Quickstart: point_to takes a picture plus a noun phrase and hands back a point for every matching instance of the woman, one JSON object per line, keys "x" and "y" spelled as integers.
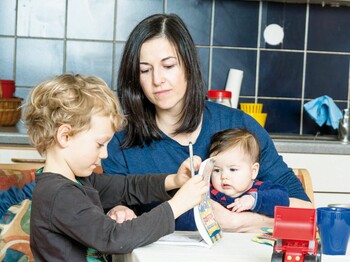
{"x": 161, "y": 89}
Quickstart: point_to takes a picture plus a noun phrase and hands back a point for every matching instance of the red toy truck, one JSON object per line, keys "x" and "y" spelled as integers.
{"x": 295, "y": 234}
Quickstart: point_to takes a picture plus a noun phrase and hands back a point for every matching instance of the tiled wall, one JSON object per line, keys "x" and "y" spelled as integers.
{"x": 40, "y": 38}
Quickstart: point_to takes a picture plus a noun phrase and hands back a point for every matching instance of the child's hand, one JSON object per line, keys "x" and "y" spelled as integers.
{"x": 243, "y": 203}
{"x": 121, "y": 214}
{"x": 189, "y": 195}
{"x": 184, "y": 171}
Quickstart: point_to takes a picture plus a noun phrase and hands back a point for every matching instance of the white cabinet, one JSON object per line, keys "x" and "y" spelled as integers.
{"x": 330, "y": 175}
{"x": 22, "y": 153}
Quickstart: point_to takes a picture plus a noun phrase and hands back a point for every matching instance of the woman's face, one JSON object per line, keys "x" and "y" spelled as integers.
{"x": 162, "y": 78}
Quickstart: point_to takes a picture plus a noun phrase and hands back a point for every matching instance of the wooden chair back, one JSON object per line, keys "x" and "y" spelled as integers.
{"x": 305, "y": 179}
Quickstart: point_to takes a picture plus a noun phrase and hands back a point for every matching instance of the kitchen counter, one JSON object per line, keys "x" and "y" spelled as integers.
{"x": 309, "y": 144}
{"x": 17, "y": 135}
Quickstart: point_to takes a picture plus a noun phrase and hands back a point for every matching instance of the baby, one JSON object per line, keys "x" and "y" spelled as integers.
{"x": 234, "y": 184}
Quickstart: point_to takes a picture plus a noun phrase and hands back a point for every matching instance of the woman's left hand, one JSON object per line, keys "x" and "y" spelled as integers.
{"x": 184, "y": 171}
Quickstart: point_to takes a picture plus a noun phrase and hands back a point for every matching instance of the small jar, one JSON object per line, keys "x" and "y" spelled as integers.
{"x": 220, "y": 96}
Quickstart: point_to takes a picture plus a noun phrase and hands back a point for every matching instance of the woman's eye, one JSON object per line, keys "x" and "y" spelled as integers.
{"x": 169, "y": 66}
{"x": 99, "y": 145}
{"x": 233, "y": 169}
{"x": 144, "y": 71}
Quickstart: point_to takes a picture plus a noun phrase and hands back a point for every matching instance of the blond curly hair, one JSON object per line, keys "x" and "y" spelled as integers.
{"x": 68, "y": 99}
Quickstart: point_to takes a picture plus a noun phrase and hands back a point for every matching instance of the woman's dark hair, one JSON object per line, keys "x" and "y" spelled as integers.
{"x": 140, "y": 112}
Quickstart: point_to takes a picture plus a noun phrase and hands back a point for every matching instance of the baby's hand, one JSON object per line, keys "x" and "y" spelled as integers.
{"x": 243, "y": 203}
{"x": 121, "y": 214}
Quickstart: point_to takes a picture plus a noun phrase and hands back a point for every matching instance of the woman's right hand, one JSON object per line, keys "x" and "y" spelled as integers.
{"x": 240, "y": 222}
{"x": 189, "y": 195}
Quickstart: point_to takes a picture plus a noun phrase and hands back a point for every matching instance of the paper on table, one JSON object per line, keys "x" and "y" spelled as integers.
{"x": 233, "y": 84}
{"x": 183, "y": 238}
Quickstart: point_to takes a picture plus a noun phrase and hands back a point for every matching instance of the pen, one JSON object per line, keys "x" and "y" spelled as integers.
{"x": 190, "y": 147}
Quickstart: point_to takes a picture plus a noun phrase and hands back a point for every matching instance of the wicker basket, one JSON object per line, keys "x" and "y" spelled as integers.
{"x": 10, "y": 111}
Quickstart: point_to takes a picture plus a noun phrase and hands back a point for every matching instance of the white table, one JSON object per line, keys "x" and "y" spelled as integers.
{"x": 232, "y": 247}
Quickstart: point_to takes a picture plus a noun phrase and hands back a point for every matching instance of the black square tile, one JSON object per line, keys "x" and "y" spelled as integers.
{"x": 119, "y": 47}
{"x": 6, "y": 57}
{"x": 236, "y": 23}
{"x": 196, "y": 15}
{"x": 280, "y": 74}
{"x": 291, "y": 17}
{"x": 131, "y": 12}
{"x": 329, "y": 28}
{"x": 224, "y": 59}
{"x": 203, "y": 55}
{"x": 283, "y": 116}
{"x": 90, "y": 58}
{"x": 327, "y": 74}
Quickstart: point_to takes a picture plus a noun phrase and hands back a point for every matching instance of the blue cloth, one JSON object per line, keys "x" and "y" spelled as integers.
{"x": 166, "y": 155}
{"x": 15, "y": 195}
{"x": 324, "y": 110}
{"x": 267, "y": 197}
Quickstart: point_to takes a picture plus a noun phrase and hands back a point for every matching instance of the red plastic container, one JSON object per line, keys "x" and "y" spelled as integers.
{"x": 220, "y": 96}
{"x": 7, "y": 88}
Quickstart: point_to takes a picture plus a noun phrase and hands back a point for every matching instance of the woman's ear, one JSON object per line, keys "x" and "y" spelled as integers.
{"x": 255, "y": 170}
{"x": 63, "y": 134}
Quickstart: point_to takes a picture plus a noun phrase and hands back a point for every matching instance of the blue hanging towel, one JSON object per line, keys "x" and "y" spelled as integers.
{"x": 324, "y": 110}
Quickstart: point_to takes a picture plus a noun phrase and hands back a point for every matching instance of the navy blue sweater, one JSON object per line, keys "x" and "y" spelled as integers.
{"x": 166, "y": 155}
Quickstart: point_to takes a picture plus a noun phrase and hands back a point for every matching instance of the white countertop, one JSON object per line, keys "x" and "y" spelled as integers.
{"x": 232, "y": 247}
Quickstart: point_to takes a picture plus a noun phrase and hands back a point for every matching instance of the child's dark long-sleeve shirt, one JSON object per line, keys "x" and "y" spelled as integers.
{"x": 66, "y": 217}
{"x": 267, "y": 196}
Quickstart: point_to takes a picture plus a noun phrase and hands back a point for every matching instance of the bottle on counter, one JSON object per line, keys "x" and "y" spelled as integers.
{"x": 344, "y": 128}
{"x": 220, "y": 96}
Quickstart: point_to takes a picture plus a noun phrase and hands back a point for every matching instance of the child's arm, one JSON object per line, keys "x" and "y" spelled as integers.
{"x": 189, "y": 195}
{"x": 121, "y": 213}
{"x": 192, "y": 188}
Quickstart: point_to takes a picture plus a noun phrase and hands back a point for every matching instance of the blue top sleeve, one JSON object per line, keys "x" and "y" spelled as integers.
{"x": 269, "y": 196}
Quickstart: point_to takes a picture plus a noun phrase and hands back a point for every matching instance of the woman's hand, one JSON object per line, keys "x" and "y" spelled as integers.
{"x": 240, "y": 222}
{"x": 121, "y": 214}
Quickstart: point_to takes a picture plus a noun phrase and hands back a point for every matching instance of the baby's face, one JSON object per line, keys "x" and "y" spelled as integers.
{"x": 233, "y": 173}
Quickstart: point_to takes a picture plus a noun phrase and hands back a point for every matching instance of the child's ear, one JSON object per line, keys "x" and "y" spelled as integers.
{"x": 62, "y": 135}
{"x": 255, "y": 170}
